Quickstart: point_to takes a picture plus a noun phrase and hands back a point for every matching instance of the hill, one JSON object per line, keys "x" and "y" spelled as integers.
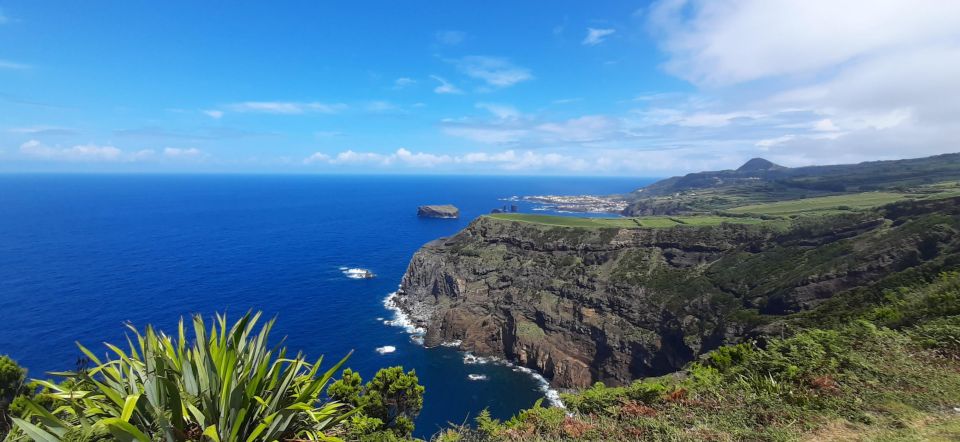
{"x": 760, "y": 181}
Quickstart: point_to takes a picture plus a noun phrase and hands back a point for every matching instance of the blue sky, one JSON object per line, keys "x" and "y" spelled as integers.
{"x": 560, "y": 87}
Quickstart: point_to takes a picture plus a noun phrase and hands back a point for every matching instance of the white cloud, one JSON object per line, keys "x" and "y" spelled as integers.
{"x": 317, "y": 157}
{"x": 215, "y": 114}
{"x": 12, "y": 65}
{"x": 403, "y": 82}
{"x": 596, "y": 36}
{"x": 509, "y": 126}
{"x": 606, "y": 161}
{"x": 93, "y": 153}
{"x": 495, "y": 71}
{"x": 3, "y": 18}
{"x": 732, "y": 41}
{"x": 286, "y": 107}
{"x": 42, "y": 130}
{"x": 80, "y": 152}
{"x": 501, "y": 111}
{"x": 380, "y": 106}
{"x": 181, "y": 153}
{"x": 486, "y": 134}
{"x": 450, "y": 38}
{"x": 582, "y": 129}
{"x": 848, "y": 81}
{"x": 445, "y": 86}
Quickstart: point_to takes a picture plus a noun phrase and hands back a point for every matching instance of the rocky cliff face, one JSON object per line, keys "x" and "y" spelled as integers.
{"x": 582, "y": 305}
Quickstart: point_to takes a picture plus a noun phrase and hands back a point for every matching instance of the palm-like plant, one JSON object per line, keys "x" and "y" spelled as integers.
{"x": 227, "y": 385}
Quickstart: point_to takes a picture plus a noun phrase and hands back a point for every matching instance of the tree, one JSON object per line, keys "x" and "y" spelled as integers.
{"x": 12, "y": 378}
{"x": 390, "y": 402}
{"x": 394, "y": 397}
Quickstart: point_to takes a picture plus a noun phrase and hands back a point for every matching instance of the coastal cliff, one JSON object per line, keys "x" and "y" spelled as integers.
{"x": 613, "y": 304}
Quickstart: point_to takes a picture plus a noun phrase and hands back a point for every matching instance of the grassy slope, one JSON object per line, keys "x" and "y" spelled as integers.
{"x": 633, "y": 222}
{"x": 871, "y": 379}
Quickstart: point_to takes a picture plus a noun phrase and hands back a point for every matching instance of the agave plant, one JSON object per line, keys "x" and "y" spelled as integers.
{"x": 226, "y": 386}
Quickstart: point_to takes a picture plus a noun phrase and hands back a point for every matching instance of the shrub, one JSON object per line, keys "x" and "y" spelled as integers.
{"x": 12, "y": 378}
{"x": 942, "y": 335}
{"x": 390, "y": 402}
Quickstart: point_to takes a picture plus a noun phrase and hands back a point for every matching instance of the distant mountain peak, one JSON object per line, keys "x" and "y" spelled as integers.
{"x": 759, "y": 164}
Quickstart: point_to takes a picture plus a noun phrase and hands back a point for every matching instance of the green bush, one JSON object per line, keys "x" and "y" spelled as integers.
{"x": 942, "y": 335}
{"x": 12, "y": 378}
{"x": 390, "y": 402}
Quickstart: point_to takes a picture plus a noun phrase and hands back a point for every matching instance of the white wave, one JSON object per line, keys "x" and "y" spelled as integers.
{"x": 356, "y": 273}
{"x": 477, "y": 377}
{"x": 471, "y": 359}
{"x": 386, "y": 349}
{"x": 400, "y": 319}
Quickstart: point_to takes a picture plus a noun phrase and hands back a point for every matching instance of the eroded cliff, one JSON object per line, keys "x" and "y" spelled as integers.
{"x": 614, "y": 304}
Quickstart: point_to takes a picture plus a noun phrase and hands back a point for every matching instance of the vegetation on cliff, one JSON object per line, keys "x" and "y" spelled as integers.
{"x": 873, "y": 378}
{"x": 228, "y": 384}
{"x": 760, "y": 182}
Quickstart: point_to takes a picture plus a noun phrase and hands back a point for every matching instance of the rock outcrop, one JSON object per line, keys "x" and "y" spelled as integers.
{"x": 582, "y": 305}
{"x": 438, "y": 211}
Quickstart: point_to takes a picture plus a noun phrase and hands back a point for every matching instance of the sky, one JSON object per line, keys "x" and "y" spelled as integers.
{"x": 618, "y": 88}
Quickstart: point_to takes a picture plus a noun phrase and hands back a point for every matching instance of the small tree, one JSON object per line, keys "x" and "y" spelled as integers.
{"x": 390, "y": 402}
{"x": 12, "y": 378}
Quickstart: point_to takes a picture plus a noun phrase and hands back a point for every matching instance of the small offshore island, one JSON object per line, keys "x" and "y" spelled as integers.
{"x": 445, "y": 211}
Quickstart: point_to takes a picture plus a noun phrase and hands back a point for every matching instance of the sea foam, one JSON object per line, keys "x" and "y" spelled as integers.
{"x": 401, "y": 319}
{"x": 355, "y": 273}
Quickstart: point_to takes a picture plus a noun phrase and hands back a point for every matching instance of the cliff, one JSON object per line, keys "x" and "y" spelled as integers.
{"x": 614, "y": 304}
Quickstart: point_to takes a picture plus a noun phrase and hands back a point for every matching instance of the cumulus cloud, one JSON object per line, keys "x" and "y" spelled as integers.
{"x": 286, "y": 107}
{"x": 181, "y": 153}
{"x": 94, "y": 153}
{"x": 596, "y": 36}
{"x": 606, "y": 161}
{"x": 445, "y": 86}
{"x": 825, "y": 81}
{"x": 494, "y": 71}
{"x": 80, "y": 152}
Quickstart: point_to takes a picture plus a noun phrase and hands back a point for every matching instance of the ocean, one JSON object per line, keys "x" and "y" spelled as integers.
{"x": 80, "y": 255}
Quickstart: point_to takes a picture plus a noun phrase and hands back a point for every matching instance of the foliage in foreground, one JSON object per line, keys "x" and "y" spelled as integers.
{"x": 860, "y": 381}
{"x": 12, "y": 378}
{"x": 228, "y": 385}
{"x": 387, "y": 405}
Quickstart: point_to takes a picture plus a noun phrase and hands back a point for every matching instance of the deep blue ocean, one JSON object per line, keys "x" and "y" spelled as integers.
{"x": 80, "y": 255}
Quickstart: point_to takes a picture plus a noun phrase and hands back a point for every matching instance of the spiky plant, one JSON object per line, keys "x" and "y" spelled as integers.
{"x": 225, "y": 386}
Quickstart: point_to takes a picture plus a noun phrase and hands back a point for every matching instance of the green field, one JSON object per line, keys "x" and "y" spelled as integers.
{"x": 635, "y": 222}
{"x": 836, "y": 203}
